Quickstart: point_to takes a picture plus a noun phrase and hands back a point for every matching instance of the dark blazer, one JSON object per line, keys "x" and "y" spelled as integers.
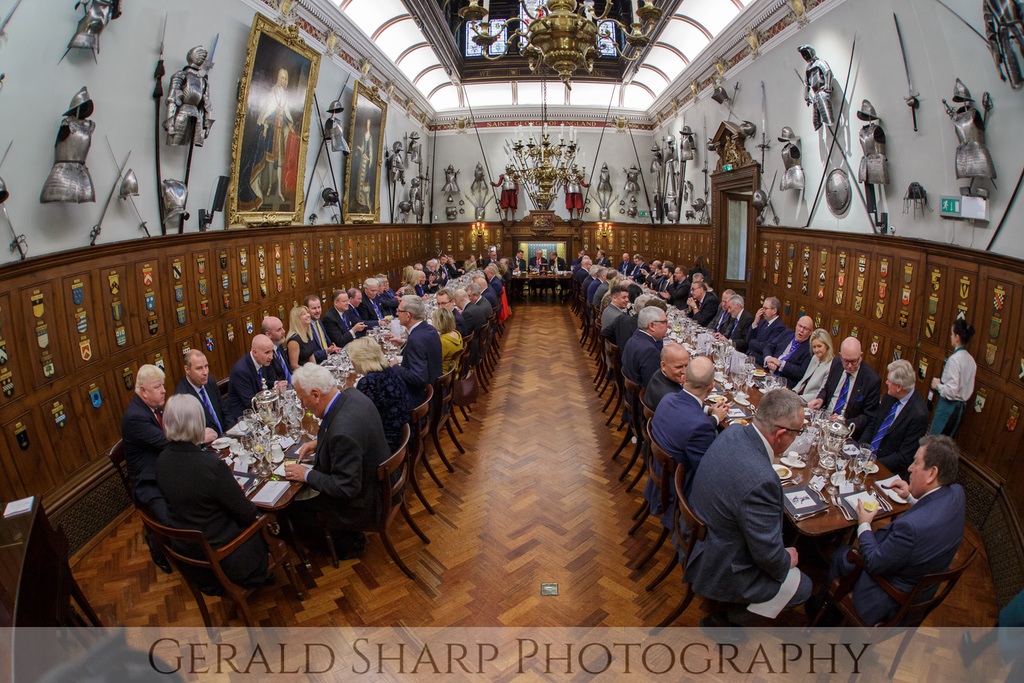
{"x": 520, "y": 264}
{"x": 580, "y": 276}
{"x": 683, "y": 430}
{"x": 723, "y": 322}
{"x": 923, "y": 540}
{"x": 624, "y": 328}
{"x": 898, "y": 446}
{"x": 797, "y": 363}
{"x": 538, "y": 262}
{"x": 492, "y": 298}
{"x": 387, "y": 301}
{"x": 475, "y": 315}
{"x": 738, "y": 495}
{"x": 432, "y": 284}
{"x": 352, "y": 317}
{"x": 625, "y": 267}
{"x": 202, "y": 494}
{"x": 337, "y": 328}
{"x": 764, "y": 336}
{"x": 461, "y": 326}
{"x": 641, "y": 272}
{"x": 497, "y": 286}
{"x": 319, "y": 353}
{"x": 371, "y": 309}
{"x": 143, "y": 440}
{"x": 708, "y": 310}
{"x": 678, "y": 293}
{"x": 421, "y": 361}
{"x": 603, "y": 261}
{"x": 350, "y": 445}
{"x": 213, "y": 392}
{"x": 244, "y": 384}
{"x": 658, "y": 388}
{"x": 641, "y": 358}
{"x": 556, "y": 262}
{"x": 739, "y": 334}
{"x": 452, "y": 270}
{"x": 862, "y": 399}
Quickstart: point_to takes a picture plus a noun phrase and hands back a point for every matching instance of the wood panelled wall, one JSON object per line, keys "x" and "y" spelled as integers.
{"x": 76, "y": 326}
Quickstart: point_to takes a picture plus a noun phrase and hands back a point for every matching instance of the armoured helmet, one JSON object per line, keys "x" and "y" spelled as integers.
{"x": 414, "y": 135}
{"x": 699, "y": 203}
{"x": 329, "y": 196}
{"x": 129, "y": 185}
{"x": 760, "y": 200}
{"x": 81, "y": 105}
{"x": 335, "y": 107}
{"x": 720, "y": 95}
{"x": 807, "y": 52}
{"x": 916, "y": 191}
{"x": 173, "y": 194}
{"x": 787, "y": 135}
{"x": 196, "y": 57}
{"x": 961, "y": 93}
{"x": 686, "y": 131}
{"x": 867, "y": 112}
{"x": 748, "y": 129}
{"x": 4, "y": 194}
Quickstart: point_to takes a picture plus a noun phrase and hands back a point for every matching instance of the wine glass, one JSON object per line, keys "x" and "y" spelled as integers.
{"x": 842, "y": 460}
{"x": 827, "y": 463}
{"x": 868, "y": 458}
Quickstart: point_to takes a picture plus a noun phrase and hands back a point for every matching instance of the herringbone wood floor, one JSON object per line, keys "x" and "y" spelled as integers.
{"x": 535, "y": 499}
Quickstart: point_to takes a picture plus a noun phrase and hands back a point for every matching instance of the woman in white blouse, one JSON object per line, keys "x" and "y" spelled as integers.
{"x": 817, "y": 372}
{"x": 957, "y": 382}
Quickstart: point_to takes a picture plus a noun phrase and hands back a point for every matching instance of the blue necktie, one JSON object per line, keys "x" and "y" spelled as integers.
{"x": 843, "y": 393}
{"x": 790, "y": 350}
{"x": 284, "y": 364}
{"x": 375, "y": 309}
{"x": 209, "y": 408}
{"x": 735, "y": 324}
{"x": 884, "y": 429}
{"x": 259, "y": 374}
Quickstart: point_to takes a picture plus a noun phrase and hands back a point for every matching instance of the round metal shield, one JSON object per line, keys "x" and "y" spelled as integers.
{"x": 838, "y": 191}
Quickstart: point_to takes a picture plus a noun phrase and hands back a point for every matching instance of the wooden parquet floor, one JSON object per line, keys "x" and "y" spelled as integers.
{"x": 535, "y": 499}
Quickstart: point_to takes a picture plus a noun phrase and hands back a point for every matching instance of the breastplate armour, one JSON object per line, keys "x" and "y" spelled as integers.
{"x": 874, "y": 169}
{"x": 75, "y": 147}
{"x": 972, "y": 157}
{"x": 793, "y": 178}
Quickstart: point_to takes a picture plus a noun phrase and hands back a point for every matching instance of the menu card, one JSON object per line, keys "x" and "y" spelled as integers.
{"x": 801, "y": 501}
{"x": 271, "y": 492}
{"x": 247, "y": 481}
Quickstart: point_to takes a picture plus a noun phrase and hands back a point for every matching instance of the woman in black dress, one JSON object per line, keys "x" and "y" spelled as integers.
{"x": 202, "y": 494}
{"x": 382, "y": 385}
{"x": 300, "y": 338}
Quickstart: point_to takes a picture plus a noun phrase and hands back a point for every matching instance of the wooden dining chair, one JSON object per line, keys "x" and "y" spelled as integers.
{"x": 467, "y": 389}
{"x": 619, "y": 381}
{"x": 645, "y": 452}
{"x": 440, "y": 416}
{"x": 635, "y": 426}
{"x": 420, "y": 428}
{"x": 696, "y": 530}
{"x": 661, "y": 477}
{"x": 116, "y": 457}
{"x": 171, "y": 539}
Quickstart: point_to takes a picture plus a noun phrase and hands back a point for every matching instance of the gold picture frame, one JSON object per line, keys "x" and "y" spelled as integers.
{"x": 268, "y": 150}
{"x": 362, "y": 189}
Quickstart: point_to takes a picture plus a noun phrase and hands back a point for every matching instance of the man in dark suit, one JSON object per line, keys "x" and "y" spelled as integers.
{"x": 766, "y": 329}
{"x": 678, "y": 291}
{"x": 683, "y": 429}
{"x": 494, "y": 280}
{"x": 421, "y": 354}
{"x": 433, "y": 281}
{"x": 618, "y": 301}
{"x": 337, "y": 322}
{"x": 674, "y": 361}
{"x": 451, "y": 268}
{"x": 723, "y": 314}
{"x": 736, "y": 328}
{"x": 349, "y": 445}
{"x": 790, "y": 356}
{"x": 274, "y": 328}
{"x": 640, "y": 269}
{"x": 602, "y": 259}
{"x": 446, "y": 299}
{"x": 738, "y": 495}
{"x": 385, "y": 295}
{"x": 901, "y": 420}
{"x": 369, "y": 307}
{"x": 322, "y": 342}
{"x": 851, "y": 389}
{"x": 702, "y": 305}
{"x": 354, "y": 317}
{"x": 520, "y": 262}
{"x": 142, "y": 436}
{"x": 538, "y": 261}
{"x": 578, "y": 261}
{"x": 475, "y": 311}
{"x": 641, "y": 358}
{"x": 625, "y": 266}
{"x": 198, "y": 383}
{"x": 556, "y": 262}
{"x": 251, "y": 374}
{"x": 923, "y": 540}
{"x": 487, "y": 292}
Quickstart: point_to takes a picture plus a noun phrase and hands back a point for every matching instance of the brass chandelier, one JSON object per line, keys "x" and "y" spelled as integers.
{"x": 564, "y": 34}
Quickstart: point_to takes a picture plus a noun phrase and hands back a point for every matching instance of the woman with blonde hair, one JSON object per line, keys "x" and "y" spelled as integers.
{"x": 382, "y": 384}
{"x": 300, "y": 338}
{"x": 451, "y": 340}
{"x": 817, "y": 372}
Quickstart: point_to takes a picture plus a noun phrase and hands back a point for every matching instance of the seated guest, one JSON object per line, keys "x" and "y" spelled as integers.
{"x": 625, "y": 266}
{"x": 641, "y": 358}
{"x": 475, "y": 316}
{"x": 383, "y": 385}
{"x": 923, "y": 540}
{"x": 355, "y": 300}
{"x": 198, "y": 382}
{"x": 274, "y": 329}
{"x": 851, "y": 389}
{"x": 487, "y": 292}
{"x": 739, "y": 496}
{"x": 420, "y": 286}
{"x": 388, "y": 301}
{"x": 492, "y": 256}
{"x": 349, "y": 445}
{"x": 369, "y": 306}
{"x": 538, "y": 260}
{"x": 900, "y": 422}
{"x": 254, "y": 372}
{"x": 681, "y": 426}
{"x": 519, "y": 262}
{"x": 452, "y": 269}
{"x": 451, "y": 340}
{"x": 811, "y": 384}
{"x": 698, "y": 267}
{"x": 494, "y": 280}
{"x": 202, "y": 495}
{"x": 556, "y": 262}
{"x": 301, "y": 347}
{"x": 678, "y": 291}
{"x": 432, "y": 277}
{"x": 446, "y": 299}
{"x": 661, "y": 278}
{"x": 142, "y": 436}
{"x": 616, "y": 306}
{"x": 765, "y": 330}
{"x": 583, "y": 275}
{"x": 640, "y": 269}
{"x": 610, "y": 277}
{"x": 338, "y": 323}
{"x": 602, "y": 259}
{"x": 421, "y": 355}
{"x": 735, "y": 322}
{"x": 576, "y": 262}
{"x": 723, "y": 316}
{"x": 702, "y": 305}
{"x": 625, "y": 325}
{"x": 790, "y": 356}
{"x": 599, "y": 278}
{"x": 321, "y": 342}
{"x": 674, "y": 361}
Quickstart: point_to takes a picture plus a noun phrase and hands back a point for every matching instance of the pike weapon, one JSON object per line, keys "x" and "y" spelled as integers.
{"x": 764, "y": 146}
{"x": 963, "y": 21}
{"x": 7, "y": 20}
{"x": 208, "y": 64}
{"x": 911, "y": 99}
{"x": 775, "y": 216}
{"x": 18, "y": 243}
{"x": 707, "y": 189}
{"x": 158, "y": 96}
{"x": 95, "y": 232}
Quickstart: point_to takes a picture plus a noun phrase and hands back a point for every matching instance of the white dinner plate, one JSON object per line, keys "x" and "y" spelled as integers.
{"x": 223, "y": 442}
{"x": 795, "y": 463}
{"x": 783, "y": 471}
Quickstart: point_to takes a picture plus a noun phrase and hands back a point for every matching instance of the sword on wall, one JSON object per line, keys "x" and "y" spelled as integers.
{"x": 96, "y": 229}
{"x": 7, "y": 20}
{"x": 911, "y": 99}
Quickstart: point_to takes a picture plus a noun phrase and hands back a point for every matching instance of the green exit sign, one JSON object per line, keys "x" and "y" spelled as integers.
{"x": 643, "y": 213}
{"x": 950, "y": 207}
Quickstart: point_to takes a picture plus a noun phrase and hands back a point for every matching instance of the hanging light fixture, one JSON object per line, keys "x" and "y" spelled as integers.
{"x": 563, "y": 34}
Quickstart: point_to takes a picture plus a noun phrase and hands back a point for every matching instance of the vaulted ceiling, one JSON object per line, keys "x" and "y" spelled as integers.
{"x": 424, "y": 39}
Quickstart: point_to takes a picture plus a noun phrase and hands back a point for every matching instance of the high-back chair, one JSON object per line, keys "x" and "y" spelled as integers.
{"x": 696, "y": 530}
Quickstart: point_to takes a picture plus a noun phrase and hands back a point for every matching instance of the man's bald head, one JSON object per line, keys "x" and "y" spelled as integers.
{"x": 804, "y": 327}
{"x": 850, "y": 353}
{"x": 262, "y": 349}
{"x": 273, "y": 328}
{"x": 674, "y": 361}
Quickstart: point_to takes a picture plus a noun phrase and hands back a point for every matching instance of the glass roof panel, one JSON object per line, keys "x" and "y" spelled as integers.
{"x": 431, "y": 80}
{"x": 489, "y": 94}
{"x": 446, "y": 98}
{"x": 397, "y": 37}
{"x": 370, "y": 14}
{"x": 418, "y": 60}
{"x": 591, "y": 94}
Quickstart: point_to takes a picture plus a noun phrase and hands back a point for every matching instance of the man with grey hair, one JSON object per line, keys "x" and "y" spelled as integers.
{"x": 386, "y": 298}
{"x": 600, "y": 275}
{"x": 421, "y": 355}
{"x": 603, "y": 286}
{"x": 723, "y": 312}
{"x": 736, "y": 327}
{"x": 582, "y": 272}
{"x": 446, "y": 299}
{"x": 494, "y": 280}
{"x": 641, "y": 358}
{"x": 433, "y": 276}
{"x": 739, "y": 496}
{"x": 253, "y": 373}
{"x": 369, "y": 307}
{"x": 273, "y": 328}
{"x": 475, "y": 313}
{"x": 487, "y": 292}
{"x": 900, "y": 422}
{"x": 198, "y": 383}
{"x": 766, "y": 329}
{"x": 350, "y": 444}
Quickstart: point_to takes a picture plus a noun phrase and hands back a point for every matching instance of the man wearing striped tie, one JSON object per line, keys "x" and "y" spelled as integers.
{"x": 324, "y": 347}
{"x": 901, "y": 420}
{"x": 852, "y": 388}
{"x": 198, "y": 382}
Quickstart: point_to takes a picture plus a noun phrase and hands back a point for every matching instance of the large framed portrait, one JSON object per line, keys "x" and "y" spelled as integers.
{"x": 362, "y": 190}
{"x": 268, "y": 152}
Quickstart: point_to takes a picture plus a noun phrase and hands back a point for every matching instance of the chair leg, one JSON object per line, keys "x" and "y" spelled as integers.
{"x": 615, "y": 410}
{"x": 243, "y": 606}
{"x": 462, "y": 409}
{"x": 639, "y": 522}
{"x": 294, "y": 579}
{"x": 611, "y": 397}
{"x": 625, "y": 440}
{"x": 899, "y": 652}
{"x": 330, "y": 547}
{"x": 412, "y": 524}
{"x": 383, "y": 533}
{"x": 644, "y": 505}
{"x": 636, "y": 453}
{"x": 414, "y": 482}
{"x": 300, "y": 550}
{"x": 680, "y": 608}
{"x": 427, "y": 466}
{"x": 448, "y": 427}
{"x": 664, "y": 573}
{"x": 440, "y": 452}
{"x": 455, "y": 419}
{"x": 639, "y": 473}
{"x": 653, "y": 551}
{"x": 201, "y": 602}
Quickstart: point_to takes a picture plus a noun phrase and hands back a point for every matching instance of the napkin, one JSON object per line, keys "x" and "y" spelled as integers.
{"x": 286, "y": 442}
{"x": 817, "y": 483}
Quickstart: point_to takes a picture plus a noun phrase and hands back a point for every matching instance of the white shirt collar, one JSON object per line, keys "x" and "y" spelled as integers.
{"x": 767, "y": 446}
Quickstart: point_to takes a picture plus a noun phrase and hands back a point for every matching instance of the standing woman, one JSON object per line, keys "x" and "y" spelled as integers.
{"x": 957, "y": 383}
{"x": 300, "y": 338}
